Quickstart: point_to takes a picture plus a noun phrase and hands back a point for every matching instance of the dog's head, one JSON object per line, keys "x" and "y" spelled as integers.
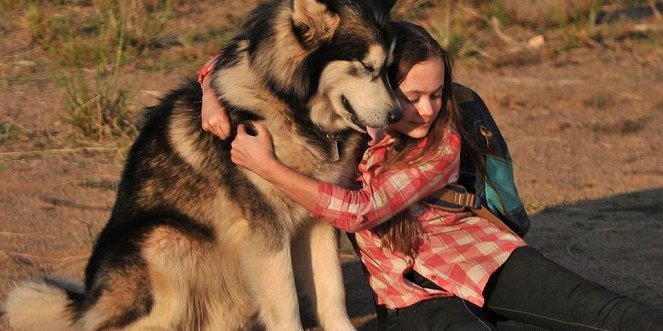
{"x": 353, "y": 81}
{"x": 353, "y": 89}
{"x": 332, "y": 55}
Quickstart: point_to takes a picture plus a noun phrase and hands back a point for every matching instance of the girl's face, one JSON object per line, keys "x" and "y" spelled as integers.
{"x": 420, "y": 95}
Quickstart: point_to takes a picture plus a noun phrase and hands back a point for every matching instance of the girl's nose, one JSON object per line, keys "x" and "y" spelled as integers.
{"x": 425, "y": 108}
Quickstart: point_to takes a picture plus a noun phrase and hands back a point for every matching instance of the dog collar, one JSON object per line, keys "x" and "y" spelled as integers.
{"x": 333, "y": 139}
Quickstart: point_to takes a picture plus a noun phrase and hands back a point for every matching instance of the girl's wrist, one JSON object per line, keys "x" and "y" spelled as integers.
{"x": 271, "y": 168}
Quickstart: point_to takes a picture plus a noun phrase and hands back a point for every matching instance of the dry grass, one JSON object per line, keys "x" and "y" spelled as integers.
{"x": 547, "y": 13}
{"x": 87, "y": 43}
{"x": 96, "y": 109}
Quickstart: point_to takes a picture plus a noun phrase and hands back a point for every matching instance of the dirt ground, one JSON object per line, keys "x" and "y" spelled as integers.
{"x": 584, "y": 127}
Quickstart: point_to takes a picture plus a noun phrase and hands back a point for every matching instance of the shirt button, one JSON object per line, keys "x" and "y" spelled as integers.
{"x": 433, "y": 277}
{"x": 364, "y": 161}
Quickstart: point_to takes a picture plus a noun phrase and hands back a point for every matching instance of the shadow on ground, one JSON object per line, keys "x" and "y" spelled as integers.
{"x": 614, "y": 241}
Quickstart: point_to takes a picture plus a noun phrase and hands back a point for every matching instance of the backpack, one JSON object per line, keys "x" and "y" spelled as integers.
{"x": 496, "y": 191}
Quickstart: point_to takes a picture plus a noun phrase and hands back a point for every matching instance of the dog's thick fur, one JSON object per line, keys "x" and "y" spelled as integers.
{"x": 197, "y": 243}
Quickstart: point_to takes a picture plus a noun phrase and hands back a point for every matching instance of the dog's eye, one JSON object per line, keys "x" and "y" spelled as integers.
{"x": 368, "y": 67}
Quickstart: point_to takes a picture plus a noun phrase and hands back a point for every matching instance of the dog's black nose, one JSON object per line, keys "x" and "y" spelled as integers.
{"x": 395, "y": 115}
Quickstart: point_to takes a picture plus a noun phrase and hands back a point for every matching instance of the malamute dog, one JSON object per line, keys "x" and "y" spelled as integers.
{"x": 197, "y": 243}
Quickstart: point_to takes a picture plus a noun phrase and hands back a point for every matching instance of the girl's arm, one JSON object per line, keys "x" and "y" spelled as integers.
{"x": 256, "y": 153}
{"x": 387, "y": 194}
{"x": 381, "y": 197}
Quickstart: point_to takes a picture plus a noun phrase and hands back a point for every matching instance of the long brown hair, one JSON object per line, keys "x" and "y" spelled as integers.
{"x": 415, "y": 45}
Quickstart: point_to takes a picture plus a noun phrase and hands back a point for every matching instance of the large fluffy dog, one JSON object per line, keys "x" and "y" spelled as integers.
{"x": 196, "y": 243}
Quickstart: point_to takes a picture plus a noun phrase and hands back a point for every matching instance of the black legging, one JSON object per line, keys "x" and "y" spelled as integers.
{"x": 532, "y": 289}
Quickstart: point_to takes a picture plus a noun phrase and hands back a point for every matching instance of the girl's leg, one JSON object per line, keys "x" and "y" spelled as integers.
{"x": 442, "y": 314}
{"x": 532, "y": 289}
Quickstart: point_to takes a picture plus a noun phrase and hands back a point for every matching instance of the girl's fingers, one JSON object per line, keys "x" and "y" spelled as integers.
{"x": 224, "y": 125}
{"x": 263, "y": 132}
{"x": 241, "y": 129}
{"x": 261, "y": 128}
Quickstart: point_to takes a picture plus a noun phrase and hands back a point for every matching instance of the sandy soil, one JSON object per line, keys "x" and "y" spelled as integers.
{"x": 584, "y": 128}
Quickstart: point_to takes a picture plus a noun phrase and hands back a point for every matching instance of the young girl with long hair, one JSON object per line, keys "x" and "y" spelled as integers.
{"x": 432, "y": 268}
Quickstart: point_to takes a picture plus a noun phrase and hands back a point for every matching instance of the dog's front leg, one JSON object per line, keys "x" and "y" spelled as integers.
{"x": 269, "y": 274}
{"x": 318, "y": 250}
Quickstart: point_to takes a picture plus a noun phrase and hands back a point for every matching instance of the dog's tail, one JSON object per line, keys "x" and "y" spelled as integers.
{"x": 44, "y": 304}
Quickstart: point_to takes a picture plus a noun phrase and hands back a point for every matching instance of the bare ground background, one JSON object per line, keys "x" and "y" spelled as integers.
{"x": 583, "y": 124}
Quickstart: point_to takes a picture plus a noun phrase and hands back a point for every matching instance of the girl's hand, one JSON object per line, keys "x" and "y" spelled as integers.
{"x": 213, "y": 115}
{"x": 255, "y": 153}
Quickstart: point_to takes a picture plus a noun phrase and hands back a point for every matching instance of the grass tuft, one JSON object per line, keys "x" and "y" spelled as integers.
{"x": 84, "y": 31}
{"x": 577, "y": 23}
{"x": 455, "y": 27}
{"x": 8, "y": 131}
{"x": 95, "y": 108}
{"x": 598, "y": 101}
{"x": 628, "y": 126}
{"x": 139, "y": 22}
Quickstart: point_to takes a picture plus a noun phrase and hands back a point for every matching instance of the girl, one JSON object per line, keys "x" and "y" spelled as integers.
{"x": 435, "y": 269}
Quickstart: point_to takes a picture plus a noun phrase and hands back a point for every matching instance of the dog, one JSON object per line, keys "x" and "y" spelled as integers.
{"x": 195, "y": 242}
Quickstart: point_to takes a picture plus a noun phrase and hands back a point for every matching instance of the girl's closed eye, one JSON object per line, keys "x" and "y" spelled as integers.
{"x": 408, "y": 99}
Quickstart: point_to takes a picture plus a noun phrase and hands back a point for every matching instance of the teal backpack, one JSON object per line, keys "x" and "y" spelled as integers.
{"x": 496, "y": 191}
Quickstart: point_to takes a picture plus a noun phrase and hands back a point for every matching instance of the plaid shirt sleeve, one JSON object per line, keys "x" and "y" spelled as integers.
{"x": 387, "y": 194}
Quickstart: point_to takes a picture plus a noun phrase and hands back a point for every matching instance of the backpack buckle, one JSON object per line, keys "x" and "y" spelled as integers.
{"x": 469, "y": 200}
{"x": 453, "y": 197}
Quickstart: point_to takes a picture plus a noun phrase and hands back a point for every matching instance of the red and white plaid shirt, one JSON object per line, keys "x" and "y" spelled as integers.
{"x": 458, "y": 252}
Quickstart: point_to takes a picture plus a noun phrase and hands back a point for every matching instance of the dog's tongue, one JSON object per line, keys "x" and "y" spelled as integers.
{"x": 376, "y": 135}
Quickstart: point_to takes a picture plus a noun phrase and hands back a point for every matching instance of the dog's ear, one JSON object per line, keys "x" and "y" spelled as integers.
{"x": 313, "y": 23}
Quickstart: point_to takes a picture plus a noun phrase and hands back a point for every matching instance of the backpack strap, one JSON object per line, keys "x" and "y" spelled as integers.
{"x": 462, "y": 94}
{"x": 490, "y": 217}
{"x": 454, "y": 197}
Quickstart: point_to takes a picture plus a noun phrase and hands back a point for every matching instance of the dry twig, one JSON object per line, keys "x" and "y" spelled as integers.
{"x": 45, "y": 259}
{"x": 59, "y": 151}
{"x": 654, "y": 9}
{"x": 19, "y": 234}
